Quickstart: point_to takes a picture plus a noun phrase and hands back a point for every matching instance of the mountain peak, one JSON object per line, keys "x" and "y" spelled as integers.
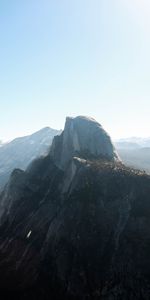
{"x": 83, "y": 137}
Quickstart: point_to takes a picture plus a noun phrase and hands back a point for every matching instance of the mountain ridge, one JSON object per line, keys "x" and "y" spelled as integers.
{"x": 21, "y": 151}
{"x": 73, "y": 233}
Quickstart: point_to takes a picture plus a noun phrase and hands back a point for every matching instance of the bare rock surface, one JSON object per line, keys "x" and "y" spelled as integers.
{"x": 83, "y": 137}
{"x": 77, "y": 228}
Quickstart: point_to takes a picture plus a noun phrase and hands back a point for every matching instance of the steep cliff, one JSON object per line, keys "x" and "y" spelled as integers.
{"x": 77, "y": 228}
{"x": 83, "y": 137}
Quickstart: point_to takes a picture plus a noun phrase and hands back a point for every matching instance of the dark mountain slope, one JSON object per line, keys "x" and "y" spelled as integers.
{"x": 77, "y": 232}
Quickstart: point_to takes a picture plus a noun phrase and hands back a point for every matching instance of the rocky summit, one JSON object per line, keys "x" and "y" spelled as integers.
{"x": 83, "y": 137}
{"x": 76, "y": 224}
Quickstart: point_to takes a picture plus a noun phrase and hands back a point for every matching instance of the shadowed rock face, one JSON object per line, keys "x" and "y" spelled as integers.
{"x": 77, "y": 232}
{"x": 83, "y": 137}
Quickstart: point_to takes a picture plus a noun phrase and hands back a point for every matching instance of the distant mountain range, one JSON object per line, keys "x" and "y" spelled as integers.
{"x": 135, "y": 152}
{"x": 133, "y": 142}
{"x": 21, "y": 151}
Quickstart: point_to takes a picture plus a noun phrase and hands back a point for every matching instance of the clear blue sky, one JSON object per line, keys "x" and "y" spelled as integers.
{"x": 74, "y": 57}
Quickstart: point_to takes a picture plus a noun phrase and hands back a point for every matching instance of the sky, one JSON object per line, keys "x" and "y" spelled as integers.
{"x": 63, "y": 58}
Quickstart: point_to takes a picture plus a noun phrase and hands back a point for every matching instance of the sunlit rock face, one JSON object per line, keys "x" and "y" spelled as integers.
{"x": 83, "y": 137}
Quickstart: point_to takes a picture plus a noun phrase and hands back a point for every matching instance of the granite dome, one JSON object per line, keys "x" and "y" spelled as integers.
{"x": 83, "y": 137}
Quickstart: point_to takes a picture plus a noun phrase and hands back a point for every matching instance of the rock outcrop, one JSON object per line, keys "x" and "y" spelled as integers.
{"x": 83, "y": 137}
{"x": 77, "y": 228}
